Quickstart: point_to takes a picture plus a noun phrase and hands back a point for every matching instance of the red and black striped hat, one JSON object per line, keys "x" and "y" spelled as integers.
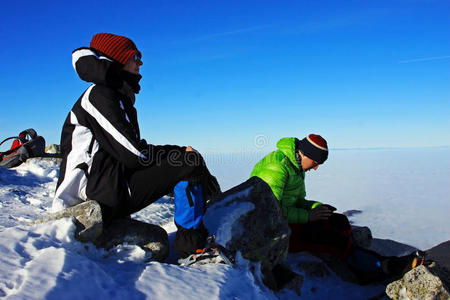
{"x": 117, "y": 47}
{"x": 315, "y": 147}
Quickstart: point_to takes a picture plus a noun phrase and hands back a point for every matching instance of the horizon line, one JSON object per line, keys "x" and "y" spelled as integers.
{"x": 258, "y": 151}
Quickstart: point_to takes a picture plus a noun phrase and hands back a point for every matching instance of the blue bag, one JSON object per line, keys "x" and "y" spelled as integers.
{"x": 189, "y": 204}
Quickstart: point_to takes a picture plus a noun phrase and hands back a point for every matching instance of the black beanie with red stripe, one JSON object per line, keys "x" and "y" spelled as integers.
{"x": 315, "y": 147}
{"x": 117, "y": 47}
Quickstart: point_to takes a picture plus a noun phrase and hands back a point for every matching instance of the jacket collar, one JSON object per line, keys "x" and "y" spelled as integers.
{"x": 287, "y": 146}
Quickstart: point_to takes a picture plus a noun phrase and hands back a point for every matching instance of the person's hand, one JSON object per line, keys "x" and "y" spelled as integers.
{"x": 332, "y": 208}
{"x": 319, "y": 213}
{"x": 190, "y": 149}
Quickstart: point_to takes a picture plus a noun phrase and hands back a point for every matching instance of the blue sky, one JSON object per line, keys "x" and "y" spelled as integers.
{"x": 225, "y": 75}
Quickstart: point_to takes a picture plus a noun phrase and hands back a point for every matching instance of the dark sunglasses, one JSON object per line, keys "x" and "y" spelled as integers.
{"x": 137, "y": 57}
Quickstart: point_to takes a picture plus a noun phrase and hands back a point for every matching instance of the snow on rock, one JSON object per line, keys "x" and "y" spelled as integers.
{"x": 221, "y": 216}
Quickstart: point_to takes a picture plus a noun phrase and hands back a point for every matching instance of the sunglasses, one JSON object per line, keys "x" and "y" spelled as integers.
{"x": 136, "y": 57}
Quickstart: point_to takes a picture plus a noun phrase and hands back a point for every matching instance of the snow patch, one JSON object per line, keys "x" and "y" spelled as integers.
{"x": 222, "y": 215}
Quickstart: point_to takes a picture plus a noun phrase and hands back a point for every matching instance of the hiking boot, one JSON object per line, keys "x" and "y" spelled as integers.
{"x": 212, "y": 253}
{"x": 202, "y": 257}
{"x": 398, "y": 266}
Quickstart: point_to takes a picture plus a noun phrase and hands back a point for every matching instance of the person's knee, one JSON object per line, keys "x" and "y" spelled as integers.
{"x": 193, "y": 159}
{"x": 339, "y": 221}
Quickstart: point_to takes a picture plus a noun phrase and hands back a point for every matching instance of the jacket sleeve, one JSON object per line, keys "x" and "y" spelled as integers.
{"x": 276, "y": 176}
{"x": 307, "y": 204}
{"x": 116, "y": 135}
{"x": 296, "y": 214}
{"x": 91, "y": 66}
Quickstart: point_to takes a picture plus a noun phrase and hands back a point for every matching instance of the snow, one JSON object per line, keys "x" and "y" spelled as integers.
{"x": 403, "y": 195}
{"x": 222, "y": 215}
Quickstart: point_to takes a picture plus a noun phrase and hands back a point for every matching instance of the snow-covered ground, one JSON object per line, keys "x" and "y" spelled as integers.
{"x": 404, "y": 195}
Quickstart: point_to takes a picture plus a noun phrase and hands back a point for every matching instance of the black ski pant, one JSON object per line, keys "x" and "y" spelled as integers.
{"x": 329, "y": 236}
{"x": 150, "y": 184}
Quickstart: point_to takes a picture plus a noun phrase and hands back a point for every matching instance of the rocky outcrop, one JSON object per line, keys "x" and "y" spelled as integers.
{"x": 87, "y": 217}
{"x": 90, "y": 228}
{"x": 149, "y": 237}
{"x": 248, "y": 219}
{"x": 426, "y": 282}
{"x": 361, "y": 236}
{"x": 419, "y": 283}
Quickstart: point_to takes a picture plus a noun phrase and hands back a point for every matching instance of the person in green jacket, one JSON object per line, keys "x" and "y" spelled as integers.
{"x": 314, "y": 226}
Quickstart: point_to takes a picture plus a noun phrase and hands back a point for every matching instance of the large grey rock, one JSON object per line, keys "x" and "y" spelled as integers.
{"x": 419, "y": 283}
{"x": 149, "y": 237}
{"x": 249, "y": 219}
{"x": 361, "y": 236}
{"x": 441, "y": 255}
{"x": 430, "y": 282}
{"x": 90, "y": 228}
{"x": 87, "y": 216}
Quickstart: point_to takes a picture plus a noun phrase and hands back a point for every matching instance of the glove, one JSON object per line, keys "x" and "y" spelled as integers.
{"x": 332, "y": 208}
{"x": 319, "y": 213}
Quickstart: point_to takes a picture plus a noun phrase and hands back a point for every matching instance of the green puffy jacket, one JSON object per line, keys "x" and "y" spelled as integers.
{"x": 282, "y": 173}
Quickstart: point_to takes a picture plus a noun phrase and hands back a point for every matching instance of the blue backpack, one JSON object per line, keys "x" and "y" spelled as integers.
{"x": 189, "y": 204}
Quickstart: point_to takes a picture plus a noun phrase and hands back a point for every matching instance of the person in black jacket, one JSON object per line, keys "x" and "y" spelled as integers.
{"x": 104, "y": 157}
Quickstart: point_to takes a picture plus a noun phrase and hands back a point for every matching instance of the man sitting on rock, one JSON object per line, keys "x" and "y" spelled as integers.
{"x": 314, "y": 226}
{"x": 104, "y": 157}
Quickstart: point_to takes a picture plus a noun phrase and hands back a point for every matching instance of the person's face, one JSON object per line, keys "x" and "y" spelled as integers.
{"x": 133, "y": 64}
{"x": 308, "y": 163}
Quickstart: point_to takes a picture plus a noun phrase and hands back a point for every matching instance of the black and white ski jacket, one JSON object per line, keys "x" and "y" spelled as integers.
{"x": 100, "y": 139}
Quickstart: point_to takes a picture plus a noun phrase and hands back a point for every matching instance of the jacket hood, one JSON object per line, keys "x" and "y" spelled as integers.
{"x": 93, "y": 66}
{"x": 287, "y": 146}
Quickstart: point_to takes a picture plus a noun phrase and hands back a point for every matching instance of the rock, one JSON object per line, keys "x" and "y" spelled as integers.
{"x": 441, "y": 255}
{"x": 419, "y": 283}
{"x": 248, "y": 219}
{"x": 387, "y": 247}
{"x": 90, "y": 228}
{"x": 361, "y": 236}
{"x": 351, "y": 212}
{"x": 53, "y": 149}
{"x": 87, "y": 216}
{"x": 149, "y": 237}
{"x": 52, "y": 153}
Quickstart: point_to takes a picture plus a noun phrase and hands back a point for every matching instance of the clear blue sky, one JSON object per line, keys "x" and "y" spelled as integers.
{"x": 217, "y": 75}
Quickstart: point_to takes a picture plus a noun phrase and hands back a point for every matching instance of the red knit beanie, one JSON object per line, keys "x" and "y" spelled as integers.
{"x": 315, "y": 147}
{"x": 117, "y": 47}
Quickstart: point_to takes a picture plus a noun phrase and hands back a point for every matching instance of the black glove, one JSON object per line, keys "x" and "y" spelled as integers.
{"x": 332, "y": 208}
